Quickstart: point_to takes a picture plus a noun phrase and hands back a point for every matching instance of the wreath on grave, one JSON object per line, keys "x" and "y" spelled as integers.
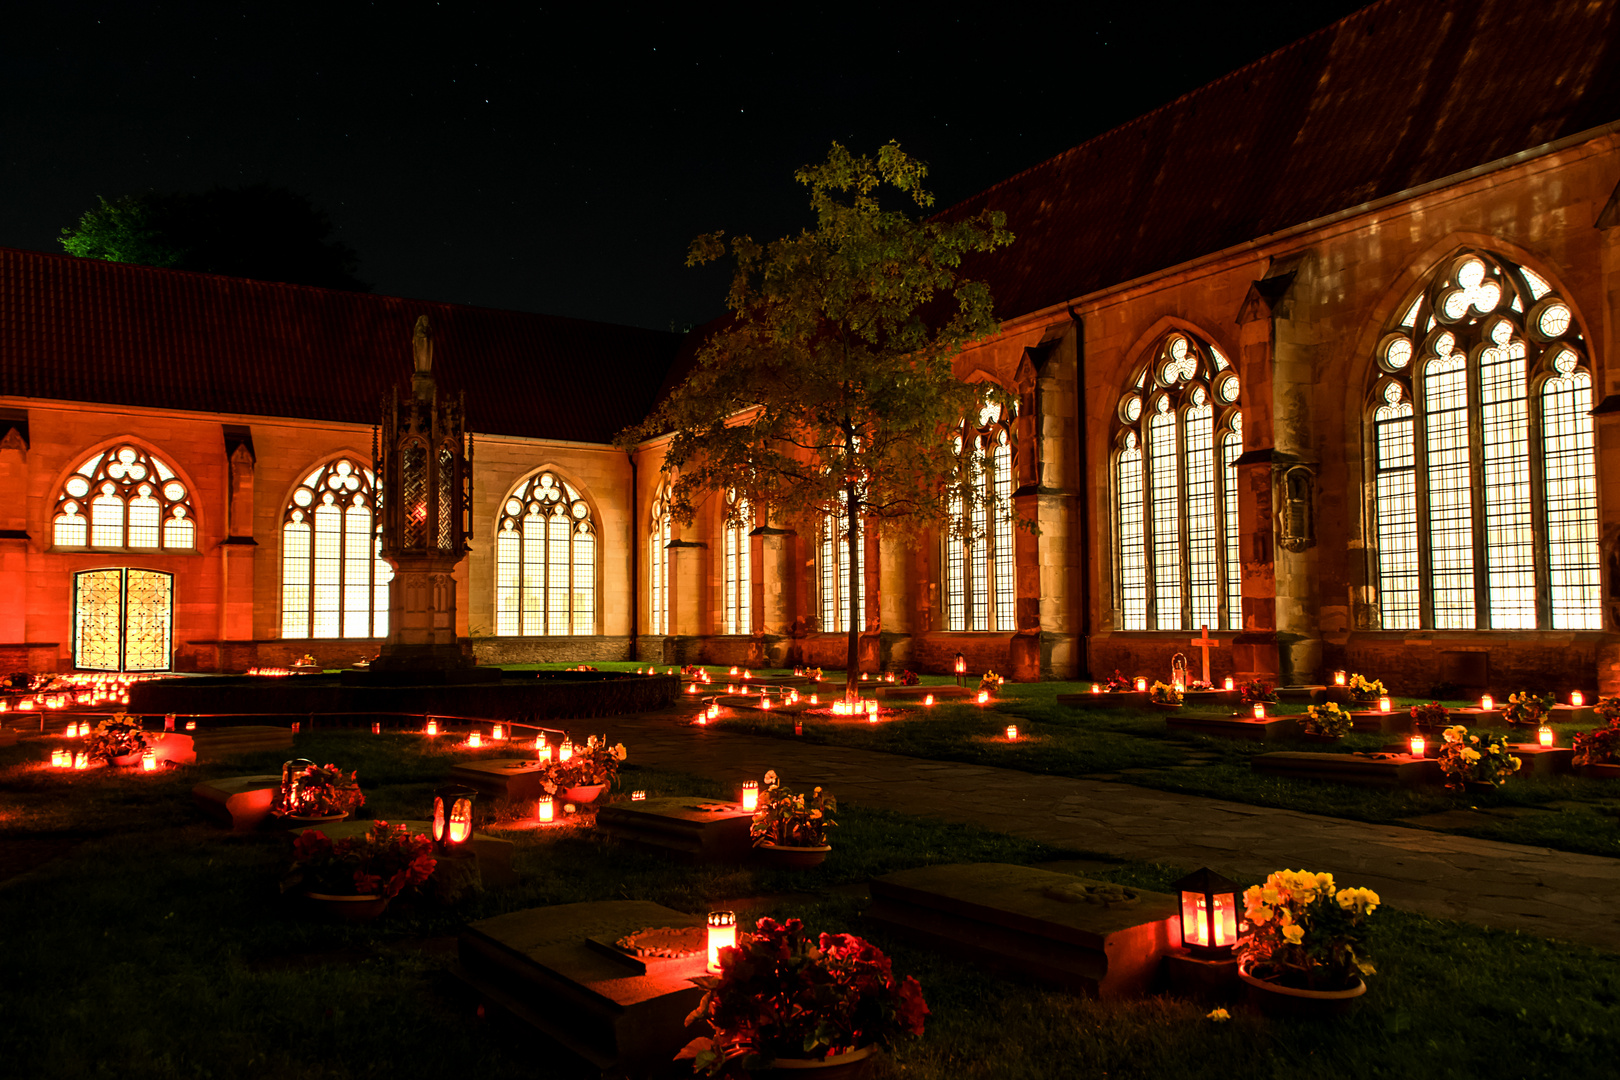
{"x": 785, "y": 994}
{"x": 1527, "y": 708}
{"x": 1327, "y": 720}
{"x": 1466, "y": 759}
{"x": 1305, "y": 933}
{"x": 117, "y": 736}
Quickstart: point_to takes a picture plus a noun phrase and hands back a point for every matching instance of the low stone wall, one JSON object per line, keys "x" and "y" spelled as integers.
{"x": 582, "y": 649}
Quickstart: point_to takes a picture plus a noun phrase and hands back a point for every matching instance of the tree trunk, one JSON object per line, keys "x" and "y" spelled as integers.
{"x": 857, "y": 620}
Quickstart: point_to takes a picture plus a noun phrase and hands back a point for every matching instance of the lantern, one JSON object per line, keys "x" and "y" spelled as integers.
{"x": 1383, "y": 703}
{"x": 1417, "y": 745}
{"x": 1259, "y": 710}
{"x": 452, "y": 816}
{"x": 1012, "y": 732}
{"x": 545, "y": 809}
{"x": 168, "y": 722}
{"x": 750, "y": 795}
{"x": 1486, "y": 703}
{"x": 544, "y": 754}
{"x": 702, "y": 718}
{"x": 747, "y": 674}
{"x": 722, "y": 935}
{"x": 1544, "y": 735}
{"x": 291, "y": 771}
{"x": 764, "y": 701}
{"x": 499, "y": 734}
{"x": 475, "y": 739}
{"x": 929, "y": 700}
{"x": 638, "y": 796}
{"x": 815, "y": 699}
{"x": 1230, "y": 685}
{"x": 149, "y": 761}
{"x": 798, "y": 727}
{"x": 432, "y": 727}
{"x": 733, "y": 671}
{"x": 59, "y": 758}
{"x": 1096, "y": 688}
{"x": 81, "y": 760}
{"x": 565, "y": 751}
{"x": 540, "y": 744}
{"x": 191, "y": 725}
{"x": 376, "y": 729}
{"x": 1208, "y": 913}
{"x": 984, "y": 696}
{"x": 1141, "y": 685}
{"x": 1576, "y": 698}
{"x": 961, "y": 668}
{"x": 691, "y": 688}
{"x": 1338, "y": 678}
{"x": 714, "y": 710}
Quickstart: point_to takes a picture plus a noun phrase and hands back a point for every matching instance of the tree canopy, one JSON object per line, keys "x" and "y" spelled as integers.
{"x": 260, "y": 231}
{"x": 830, "y": 387}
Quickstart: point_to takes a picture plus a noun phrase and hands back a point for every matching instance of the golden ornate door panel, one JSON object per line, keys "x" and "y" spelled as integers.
{"x": 123, "y": 620}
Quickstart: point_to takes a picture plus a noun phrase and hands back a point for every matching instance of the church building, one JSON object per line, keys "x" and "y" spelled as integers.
{"x": 1313, "y": 362}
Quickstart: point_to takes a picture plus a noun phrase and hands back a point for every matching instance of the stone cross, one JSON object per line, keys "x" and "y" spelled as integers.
{"x": 1206, "y": 643}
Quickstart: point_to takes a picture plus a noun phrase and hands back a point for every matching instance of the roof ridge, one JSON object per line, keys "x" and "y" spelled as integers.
{"x": 1142, "y": 118}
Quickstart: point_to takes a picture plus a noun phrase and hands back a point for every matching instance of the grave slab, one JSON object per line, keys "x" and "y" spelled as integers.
{"x": 914, "y": 695}
{"x": 174, "y": 746}
{"x": 702, "y": 829}
{"x": 1033, "y": 922}
{"x": 1123, "y": 699}
{"x": 1309, "y": 694}
{"x": 494, "y": 854}
{"x": 502, "y": 778}
{"x": 1476, "y": 717}
{"x": 1211, "y": 699}
{"x": 1572, "y": 714}
{"x": 1234, "y": 727}
{"x": 1538, "y": 760}
{"x": 601, "y": 1010}
{"x": 1388, "y": 723}
{"x": 210, "y": 744}
{"x": 242, "y": 802}
{"x": 1365, "y": 770}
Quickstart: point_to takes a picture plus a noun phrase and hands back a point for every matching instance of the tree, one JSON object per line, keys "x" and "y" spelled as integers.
{"x": 830, "y": 387}
{"x": 263, "y": 232}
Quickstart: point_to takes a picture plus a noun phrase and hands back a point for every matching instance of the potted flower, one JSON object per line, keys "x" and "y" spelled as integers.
{"x": 1365, "y": 689}
{"x": 1327, "y": 721}
{"x": 318, "y": 793}
{"x": 1118, "y": 684}
{"x": 117, "y": 740}
{"x": 791, "y": 830}
{"x": 1303, "y": 952}
{"x": 1432, "y": 716}
{"x": 588, "y": 771}
{"x": 1469, "y": 762}
{"x": 1527, "y": 709}
{"x": 354, "y": 878}
{"x": 992, "y": 682}
{"x": 786, "y": 1002}
{"x": 1257, "y": 692}
{"x": 1165, "y": 696}
{"x": 1597, "y": 753}
{"x": 909, "y": 678}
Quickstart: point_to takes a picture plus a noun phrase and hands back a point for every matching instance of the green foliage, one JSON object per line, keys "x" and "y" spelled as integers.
{"x": 262, "y": 232}
{"x": 831, "y": 387}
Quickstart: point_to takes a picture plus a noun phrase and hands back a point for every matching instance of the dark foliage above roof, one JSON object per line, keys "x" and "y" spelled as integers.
{"x": 87, "y": 330}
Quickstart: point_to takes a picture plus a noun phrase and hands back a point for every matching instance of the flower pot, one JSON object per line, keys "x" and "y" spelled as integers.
{"x": 850, "y": 1066}
{"x": 297, "y": 821}
{"x": 1599, "y": 772}
{"x": 1165, "y": 705}
{"x": 347, "y": 908}
{"x": 1275, "y": 999}
{"x": 126, "y": 761}
{"x": 1478, "y": 787}
{"x": 788, "y": 857}
{"x": 585, "y": 793}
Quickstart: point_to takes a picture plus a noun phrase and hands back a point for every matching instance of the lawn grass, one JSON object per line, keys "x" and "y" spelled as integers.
{"x": 157, "y": 946}
{"x": 1564, "y": 812}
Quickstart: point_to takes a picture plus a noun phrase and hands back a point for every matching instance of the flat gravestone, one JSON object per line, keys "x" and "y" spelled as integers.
{"x": 1362, "y": 770}
{"x": 1307, "y": 694}
{"x": 701, "y": 829}
{"x": 1476, "y": 717}
{"x": 502, "y": 778}
{"x": 1234, "y": 727}
{"x": 1572, "y": 714}
{"x": 242, "y": 802}
{"x": 1133, "y": 699}
{"x": 915, "y": 694}
{"x": 213, "y": 743}
{"x": 602, "y": 1010}
{"x": 494, "y": 854}
{"x": 174, "y": 746}
{"x": 1387, "y": 723}
{"x": 1538, "y": 760}
{"x": 1032, "y": 922}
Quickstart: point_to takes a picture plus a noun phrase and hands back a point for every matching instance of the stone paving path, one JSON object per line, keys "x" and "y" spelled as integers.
{"x": 1510, "y": 886}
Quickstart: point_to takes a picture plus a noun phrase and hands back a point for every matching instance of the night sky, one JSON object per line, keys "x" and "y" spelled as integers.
{"x": 559, "y": 159}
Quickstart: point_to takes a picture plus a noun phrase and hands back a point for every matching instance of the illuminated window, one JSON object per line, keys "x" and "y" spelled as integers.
{"x": 1178, "y": 437}
{"x": 545, "y": 561}
{"x": 980, "y": 579}
{"x": 1484, "y": 479}
{"x": 833, "y": 560}
{"x": 333, "y": 582}
{"x": 124, "y": 499}
{"x": 658, "y": 564}
{"x": 738, "y": 568}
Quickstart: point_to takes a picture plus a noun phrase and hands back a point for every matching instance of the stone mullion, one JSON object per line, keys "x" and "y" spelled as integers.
{"x": 1538, "y": 495}
{"x": 1473, "y": 378}
{"x": 1420, "y": 496}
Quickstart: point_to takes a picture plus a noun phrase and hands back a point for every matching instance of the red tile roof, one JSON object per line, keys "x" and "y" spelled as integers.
{"x": 1399, "y": 94}
{"x": 86, "y": 330}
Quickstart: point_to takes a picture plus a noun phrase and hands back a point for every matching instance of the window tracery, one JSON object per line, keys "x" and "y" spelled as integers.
{"x": 545, "y": 561}
{"x": 658, "y": 539}
{"x": 124, "y": 499}
{"x": 738, "y": 569}
{"x": 333, "y": 582}
{"x": 1178, "y": 436}
{"x": 980, "y": 569}
{"x": 1484, "y": 478}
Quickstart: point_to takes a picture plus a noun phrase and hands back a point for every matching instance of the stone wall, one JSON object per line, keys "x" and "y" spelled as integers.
{"x": 495, "y": 651}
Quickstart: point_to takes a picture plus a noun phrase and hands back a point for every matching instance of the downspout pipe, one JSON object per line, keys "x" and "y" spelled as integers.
{"x": 635, "y": 562}
{"x": 1083, "y": 499}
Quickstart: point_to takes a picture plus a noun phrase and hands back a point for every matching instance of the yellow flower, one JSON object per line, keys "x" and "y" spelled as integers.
{"x": 1269, "y": 895}
{"x": 1515, "y": 763}
{"x": 1324, "y": 882}
{"x": 1220, "y": 1016}
{"x": 1294, "y": 934}
{"x": 1260, "y": 915}
{"x": 1347, "y": 898}
{"x": 1471, "y": 754}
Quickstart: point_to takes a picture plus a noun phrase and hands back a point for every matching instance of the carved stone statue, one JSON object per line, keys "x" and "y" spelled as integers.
{"x": 422, "y": 345}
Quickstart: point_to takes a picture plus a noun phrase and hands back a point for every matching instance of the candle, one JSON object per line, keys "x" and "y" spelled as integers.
{"x": 1230, "y": 685}
{"x": 1486, "y": 703}
{"x": 1576, "y": 698}
{"x": 81, "y": 760}
{"x": 376, "y": 729}
{"x": 1416, "y": 745}
{"x": 544, "y": 754}
{"x": 1259, "y": 710}
{"x": 764, "y": 701}
{"x": 750, "y": 795}
{"x": 546, "y": 808}
{"x": 638, "y": 796}
{"x": 565, "y": 751}
{"x": 57, "y": 757}
{"x": 929, "y": 700}
{"x": 1141, "y": 684}
{"x": 1096, "y": 688}
{"x": 702, "y": 718}
{"x": 984, "y": 696}
{"x": 1383, "y": 703}
{"x": 149, "y": 761}
{"x": 722, "y": 935}
{"x": 499, "y": 733}
{"x": 432, "y": 727}
{"x": 1338, "y": 678}
{"x": 815, "y": 699}
{"x": 191, "y": 725}
{"x": 714, "y": 710}
{"x": 475, "y": 739}
{"x": 1544, "y": 735}
{"x": 1012, "y": 732}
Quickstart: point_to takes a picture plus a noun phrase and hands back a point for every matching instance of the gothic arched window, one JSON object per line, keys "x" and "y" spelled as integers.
{"x": 1175, "y": 491}
{"x": 833, "y": 562}
{"x": 1484, "y": 479}
{"x": 738, "y": 569}
{"x": 545, "y": 561}
{"x": 333, "y": 582}
{"x": 657, "y": 564}
{"x": 124, "y": 499}
{"x": 980, "y": 575}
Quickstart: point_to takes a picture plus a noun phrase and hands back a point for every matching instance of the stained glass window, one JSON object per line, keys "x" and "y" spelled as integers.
{"x": 124, "y": 499}
{"x": 738, "y": 569}
{"x": 658, "y": 538}
{"x": 333, "y": 582}
{"x": 1485, "y": 489}
{"x": 1177, "y": 439}
{"x": 545, "y": 561}
{"x": 980, "y": 569}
